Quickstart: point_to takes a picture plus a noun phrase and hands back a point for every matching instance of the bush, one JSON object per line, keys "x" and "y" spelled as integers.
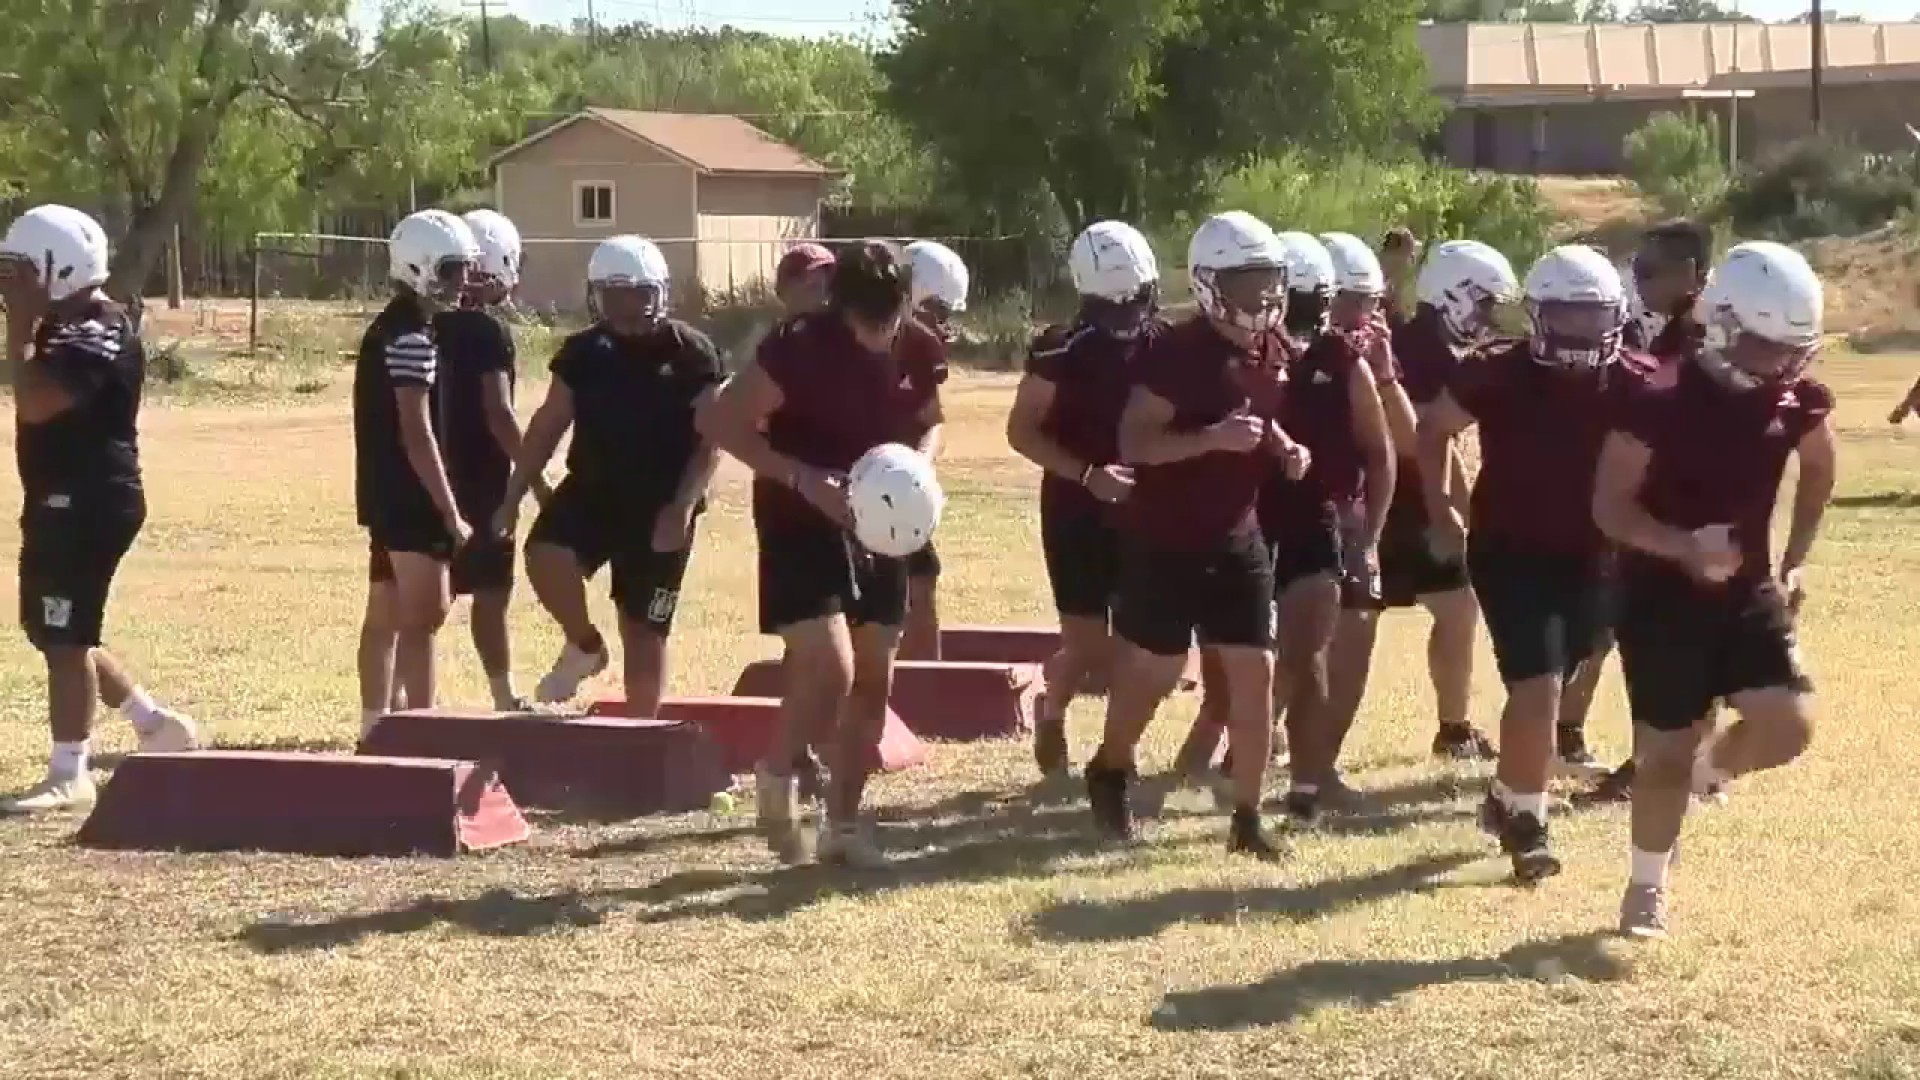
{"x": 1366, "y": 197}
{"x": 1677, "y": 162}
{"x": 1819, "y": 188}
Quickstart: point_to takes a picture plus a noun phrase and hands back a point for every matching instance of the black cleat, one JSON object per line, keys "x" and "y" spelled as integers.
{"x": 1107, "y": 794}
{"x": 807, "y": 777}
{"x": 1303, "y": 808}
{"x": 1463, "y": 742}
{"x": 1614, "y": 787}
{"x": 1524, "y": 838}
{"x": 1050, "y": 744}
{"x": 1573, "y": 757}
{"x": 1246, "y": 837}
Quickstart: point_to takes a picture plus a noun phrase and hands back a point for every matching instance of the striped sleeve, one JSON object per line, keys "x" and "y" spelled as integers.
{"x": 84, "y": 355}
{"x": 412, "y": 360}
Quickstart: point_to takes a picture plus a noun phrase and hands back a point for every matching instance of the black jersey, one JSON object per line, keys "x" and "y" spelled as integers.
{"x": 91, "y": 451}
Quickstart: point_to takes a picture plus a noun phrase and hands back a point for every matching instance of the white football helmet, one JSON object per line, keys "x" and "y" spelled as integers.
{"x": 1576, "y": 307}
{"x": 1763, "y": 310}
{"x": 1356, "y": 267}
{"x": 896, "y": 500}
{"x": 1110, "y": 260}
{"x": 1309, "y": 264}
{"x": 1462, "y": 280}
{"x": 430, "y": 252}
{"x": 67, "y": 249}
{"x": 633, "y": 262}
{"x": 499, "y": 244}
{"x": 938, "y": 274}
{"x": 1236, "y": 240}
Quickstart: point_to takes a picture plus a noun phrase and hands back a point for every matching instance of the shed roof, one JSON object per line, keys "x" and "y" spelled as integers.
{"x": 711, "y": 143}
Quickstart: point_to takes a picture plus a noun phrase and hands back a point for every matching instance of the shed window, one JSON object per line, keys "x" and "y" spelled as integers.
{"x": 593, "y": 204}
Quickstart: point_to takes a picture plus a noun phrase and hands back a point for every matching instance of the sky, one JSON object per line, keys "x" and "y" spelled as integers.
{"x": 817, "y": 18}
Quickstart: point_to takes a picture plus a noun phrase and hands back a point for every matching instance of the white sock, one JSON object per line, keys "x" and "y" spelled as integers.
{"x": 1306, "y": 789}
{"x": 1516, "y": 802}
{"x": 140, "y": 711}
{"x": 368, "y": 718}
{"x": 68, "y": 760}
{"x": 502, "y": 686}
{"x": 1650, "y": 867}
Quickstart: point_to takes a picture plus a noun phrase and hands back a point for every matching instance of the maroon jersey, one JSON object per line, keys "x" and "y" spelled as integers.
{"x": 1718, "y": 456}
{"x": 1206, "y": 501}
{"x": 1318, "y": 413}
{"x": 840, "y": 400}
{"x": 1091, "y": 375}
{"x": 1541, "y": 429}
{"x": 1426, "y": 361}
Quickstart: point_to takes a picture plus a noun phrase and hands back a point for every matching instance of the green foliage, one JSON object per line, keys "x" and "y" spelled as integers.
{"x": 1115, "y": 107}
{"x": 1677, "y": 162}
{"x": 1817, "y": 188}
{"x": 1363, "y": 196}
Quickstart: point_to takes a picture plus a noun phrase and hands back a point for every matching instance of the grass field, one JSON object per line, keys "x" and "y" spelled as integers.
{"x": 1004, "y": 943}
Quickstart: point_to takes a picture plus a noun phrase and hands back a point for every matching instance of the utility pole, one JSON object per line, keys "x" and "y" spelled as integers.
{"x": 1817, "y": 69}
{"x": 486, "y": 38}
{"x": 593, "y": 25}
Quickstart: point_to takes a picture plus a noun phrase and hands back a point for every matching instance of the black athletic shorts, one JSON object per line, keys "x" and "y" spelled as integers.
{"x": 605, "y": 530}
{"x": 1683, "y": 646}
{"x": 810, "y": 571}
{"x": 69, "y": 552}
{"x": 1307, "y": 549}
{"x": 1082, "y": 551}
{"x": 924, "y": 563}
{"x": 1168, "y": 599}
{"x": 412, "y": 529}
{"x": 1409, "y": 569}
{"x": 1545, "y": 614}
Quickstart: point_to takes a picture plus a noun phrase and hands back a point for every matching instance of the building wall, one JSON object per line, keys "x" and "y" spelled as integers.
{"x": 747, "y": 223}
{"x": 654, "y": 196}
{"x": 1587, "y": 136}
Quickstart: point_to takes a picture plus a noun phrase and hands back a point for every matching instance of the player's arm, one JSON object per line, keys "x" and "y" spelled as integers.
{"x": 1147, "y": 436}
{"x": 1026, "y": 431}
{"x": 932, "y": 419}
{"x": 734, "y": 419}
{"x": 1372, "y": 434}
{"x": 62, "y": 376}
{"x": 544, "y": 432}
{"x": 412, "y": 365}
{"x": 1441, "y": 422}
{"x": 1819, "y": 466}
{"x": 697, "y": 477}
{"x": 496, "y": 395}
{"x": 1616, "y": 502}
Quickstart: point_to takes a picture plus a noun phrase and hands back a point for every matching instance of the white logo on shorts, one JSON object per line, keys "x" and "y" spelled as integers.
{"x": 56, "y": 611}
{"x": 664, "y": 601}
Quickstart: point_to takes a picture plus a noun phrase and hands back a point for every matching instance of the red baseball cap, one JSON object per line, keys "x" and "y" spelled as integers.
{"x": 802, "y": 259}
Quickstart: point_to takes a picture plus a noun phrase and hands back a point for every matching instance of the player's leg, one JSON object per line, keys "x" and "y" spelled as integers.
{"x": 646, "y": 591}
{"x": 1082, "y": 566}
{"x": 1525, "y": 602}
{"x": 1309, "y": 607}
{"x": 1235, "y": 622}
{"x": 379, "y": 636}
{"x": 1450, "y": 659}
{"x": 1349, "y": 665}
{"x": 920, "y": 637}
{"x": 422, "y": 598}
{"x": 484, "y": 571}
{"x": 1154, "y": 616}
{"x": 1572, "y": 757}
{"x": 160, "y": 730}
{"x": 567, "y": 545}
{"x": 863, "y": 721}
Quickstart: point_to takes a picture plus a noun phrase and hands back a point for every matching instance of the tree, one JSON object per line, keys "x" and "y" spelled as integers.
{"x": 1108, "y": 106}
{"x": 1676, "y": 11}
{"x": 1519, "y": 11}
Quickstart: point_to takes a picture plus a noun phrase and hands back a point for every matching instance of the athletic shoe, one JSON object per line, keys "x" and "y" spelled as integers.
{"x": 53, "y": 794}
{"x": 1050, "y": 742}
{"x": 513, "y": 703}
{"x": 809, "y": 778}
{"x": 1463, "y": 742}
{"x": 850, "y": 846}
{"x": 777, "y": 813}
{"x": 1614, "y": 787}
{"x": 1643, "y": 912}
{"x": 1523, "y": 837}
{"x": 1573, "y": 758}
{"x": 171, "y": 733}
{"x": 1245, "y": 836}
{"x": 570, "y": 669}
{"x": 1302, "y": 808}
{"x": 1107, "y": 795}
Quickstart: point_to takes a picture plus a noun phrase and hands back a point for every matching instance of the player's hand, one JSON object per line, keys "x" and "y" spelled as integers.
{"x": 458, "y": 528}
{"x": 1711, "y": 554}
{"x": 1900, "y": 413}
{"x": 1793, "y": 584}
{"x": 24, "y": 300}
{"x": 1295, "y": 458}
{"x": 1447, "y": 536}
{"x": 673, "y": 528}
{"x": 1110, "y": 483}
{"x": 826, "y": 492}
{"x": 506, "y": 519}
{"x": 1240, "y": 433}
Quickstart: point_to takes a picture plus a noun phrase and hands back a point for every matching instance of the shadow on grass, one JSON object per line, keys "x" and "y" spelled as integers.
{"x": 1014, "y": 838}
{"x": 1879, "y": 500}
{"x": 1290, "y": 995}
{"x": 1146, "y": 916}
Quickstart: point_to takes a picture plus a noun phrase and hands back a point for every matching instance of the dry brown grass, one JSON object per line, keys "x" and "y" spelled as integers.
{"x": 1005, "y": 943}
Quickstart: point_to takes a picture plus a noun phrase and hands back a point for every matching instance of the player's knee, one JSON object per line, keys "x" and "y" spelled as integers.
{"x": 1664, "y": 758}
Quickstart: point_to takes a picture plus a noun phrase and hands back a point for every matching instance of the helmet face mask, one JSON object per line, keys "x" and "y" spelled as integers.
{"x": 1464, "y": 281}
{"x": 51, "y": 254}
{"x": 1121, "y": 318}
{"x": 1742, "y": 360}
{"x": 1763, "y": 312}
{"x": 936, "y": 315}
{"x": 1353, "y": 310}
{"x": 1577, "y": 334}
{"x": 1247, "y": 298}
{"x": 628, "y": 307}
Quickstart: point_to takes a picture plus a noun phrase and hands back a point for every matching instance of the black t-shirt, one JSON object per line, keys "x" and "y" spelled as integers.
{"x": 91, "y": 451}
{"x": 397, "y": 351}
{"x": 474, "y": 347}
{"x": 633, "y": 403}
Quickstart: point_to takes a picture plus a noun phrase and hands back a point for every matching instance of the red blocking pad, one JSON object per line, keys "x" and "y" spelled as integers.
{"x": 601, "y": 765}
{"x": 1027, "y": 645}
{"x": 939, "y": 699}
{"x": 745, "y": 729}
{"x": 304, "y": 804}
